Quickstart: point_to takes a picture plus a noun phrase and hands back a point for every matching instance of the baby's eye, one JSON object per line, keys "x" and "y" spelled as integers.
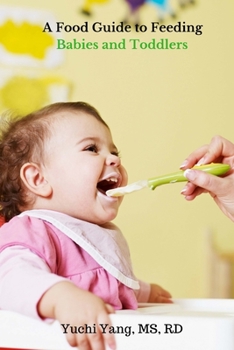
{"x": 116, "y": 153}
{"x": 91, "y": 148}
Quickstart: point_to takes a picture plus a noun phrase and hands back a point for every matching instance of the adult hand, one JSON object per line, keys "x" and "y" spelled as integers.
{"x": 221, "y": 189}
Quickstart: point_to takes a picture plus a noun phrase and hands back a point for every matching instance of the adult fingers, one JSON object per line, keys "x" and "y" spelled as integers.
{"x": 194, "y": 157}
{"x": 218, "y": 149}
{"x": 211, "y": 183}
{"x": 191, "y": 191}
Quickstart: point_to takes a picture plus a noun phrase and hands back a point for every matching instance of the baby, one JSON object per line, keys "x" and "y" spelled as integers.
{"x": 60, "y": 255}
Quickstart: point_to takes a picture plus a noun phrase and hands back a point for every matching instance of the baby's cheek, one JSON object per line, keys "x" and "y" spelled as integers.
{"x": 124, "y": 176}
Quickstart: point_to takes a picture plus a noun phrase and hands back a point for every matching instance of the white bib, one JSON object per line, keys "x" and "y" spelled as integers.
{"x": 105, "y": 244}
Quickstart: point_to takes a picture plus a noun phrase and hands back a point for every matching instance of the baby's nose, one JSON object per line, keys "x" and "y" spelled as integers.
{"x": 113, "y": 160}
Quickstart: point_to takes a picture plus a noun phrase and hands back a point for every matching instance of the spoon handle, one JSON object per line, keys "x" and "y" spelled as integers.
{"x": 213, "y": 168}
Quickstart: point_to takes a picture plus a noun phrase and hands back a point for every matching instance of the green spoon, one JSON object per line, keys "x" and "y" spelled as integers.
{"x": 213, "y": 168}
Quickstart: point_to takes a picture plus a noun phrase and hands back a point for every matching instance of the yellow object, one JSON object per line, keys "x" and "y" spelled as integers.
{"x": 25, "y": 38}
{"x": 88, "y": 4}
{"x": 24, "y": 95}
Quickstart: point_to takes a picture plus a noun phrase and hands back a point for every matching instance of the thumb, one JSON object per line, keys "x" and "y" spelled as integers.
{"x": 201, "y": 179}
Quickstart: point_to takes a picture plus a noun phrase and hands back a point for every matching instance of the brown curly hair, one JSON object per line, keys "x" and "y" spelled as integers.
{"x": 21, "y": 141}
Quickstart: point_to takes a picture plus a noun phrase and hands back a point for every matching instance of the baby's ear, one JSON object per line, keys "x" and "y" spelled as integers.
{"x": 33, "y": 178}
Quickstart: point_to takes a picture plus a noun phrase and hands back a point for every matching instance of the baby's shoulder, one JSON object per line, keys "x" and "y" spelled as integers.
{"x": 22, "y": 223}
{"x": 25, "y": 228}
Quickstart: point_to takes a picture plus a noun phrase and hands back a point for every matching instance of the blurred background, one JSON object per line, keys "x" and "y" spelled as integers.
{"x": 160, "y": 105}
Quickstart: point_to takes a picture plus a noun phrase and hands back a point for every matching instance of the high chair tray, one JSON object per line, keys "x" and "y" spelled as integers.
{"x": 188, "y": 324}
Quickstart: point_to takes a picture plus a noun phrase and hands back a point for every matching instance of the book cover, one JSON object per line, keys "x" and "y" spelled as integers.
{"x": 161, "y": 75}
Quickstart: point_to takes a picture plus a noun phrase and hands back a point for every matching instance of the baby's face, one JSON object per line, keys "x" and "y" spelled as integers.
{"x": 81, "y": 163}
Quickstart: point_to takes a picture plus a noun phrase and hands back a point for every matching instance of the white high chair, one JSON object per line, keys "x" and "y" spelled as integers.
{"x": 185, "y": 325}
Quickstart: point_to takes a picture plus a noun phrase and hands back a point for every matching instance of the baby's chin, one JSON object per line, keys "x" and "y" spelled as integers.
{"x": 104, "y": 220}
{"x": 98, "y": 219}
{"x": 107, "y": 216}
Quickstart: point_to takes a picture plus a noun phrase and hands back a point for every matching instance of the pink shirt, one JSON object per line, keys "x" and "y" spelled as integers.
{"x": 35, "y": 255}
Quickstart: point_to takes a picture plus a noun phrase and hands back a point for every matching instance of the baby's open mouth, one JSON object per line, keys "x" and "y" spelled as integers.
{"x": 107, "y": 184}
